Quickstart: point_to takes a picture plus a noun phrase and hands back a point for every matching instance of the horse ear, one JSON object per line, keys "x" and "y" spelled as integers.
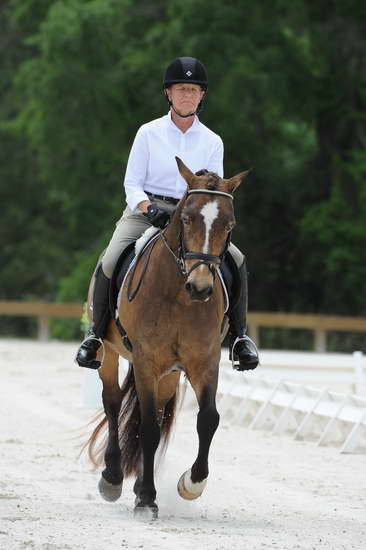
{"x": 235, "y": 181}
{"x": 185, "y": 172}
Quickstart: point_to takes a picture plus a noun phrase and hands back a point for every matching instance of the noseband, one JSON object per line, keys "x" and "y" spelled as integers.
{"x": 203, "y": 259}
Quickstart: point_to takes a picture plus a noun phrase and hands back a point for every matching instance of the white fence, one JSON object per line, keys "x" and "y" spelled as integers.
{"x": 304, "y": 412}
{"x": 339, "y": 372}
{"x": 280, "y": 406}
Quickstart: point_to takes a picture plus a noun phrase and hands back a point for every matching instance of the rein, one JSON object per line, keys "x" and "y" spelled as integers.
{"x": 131, "y": 294}
{"x": 203, "y": 259}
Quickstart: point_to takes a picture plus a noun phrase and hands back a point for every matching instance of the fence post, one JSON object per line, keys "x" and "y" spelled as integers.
{"x": 359, "y": 386}
{"x": 43, "y": 328}
{"x": 254, "y": 333}
{"x": 320, "y": 344}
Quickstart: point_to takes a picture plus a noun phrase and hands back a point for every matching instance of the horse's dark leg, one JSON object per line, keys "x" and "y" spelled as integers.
{"x": 138, "y": 482}
{"x": 166, "y": 390}
{"x": 149, "y": 440}
{"x": 110, "y": 484}
{"x": 193, "y": 481}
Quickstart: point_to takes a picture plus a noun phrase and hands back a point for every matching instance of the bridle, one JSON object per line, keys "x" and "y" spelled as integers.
{"x": 210, "y": 260}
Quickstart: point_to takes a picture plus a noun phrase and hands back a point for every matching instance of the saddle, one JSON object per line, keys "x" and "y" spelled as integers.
{"x": 119, "y": 273}
{"x": 124, "y": 264}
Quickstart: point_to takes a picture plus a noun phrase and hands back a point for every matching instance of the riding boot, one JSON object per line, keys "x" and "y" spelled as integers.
{"x": 243, "y": 351}
{"x": 87, "y": 353}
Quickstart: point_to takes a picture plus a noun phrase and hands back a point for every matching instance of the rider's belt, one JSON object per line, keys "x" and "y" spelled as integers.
{"x": 170, "y": 200}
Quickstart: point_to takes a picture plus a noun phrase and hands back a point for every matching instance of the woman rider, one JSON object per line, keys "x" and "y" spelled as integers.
{"x": 154, "y": 186}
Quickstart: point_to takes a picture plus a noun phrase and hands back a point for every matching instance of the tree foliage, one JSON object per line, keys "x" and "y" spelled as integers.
{"x": 287, "y": 94}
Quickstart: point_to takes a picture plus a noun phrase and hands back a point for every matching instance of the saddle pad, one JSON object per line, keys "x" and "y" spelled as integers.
{"x": 145, "y": 238}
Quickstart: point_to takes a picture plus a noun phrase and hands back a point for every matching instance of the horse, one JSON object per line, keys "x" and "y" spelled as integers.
{"x": 174, "y": 325}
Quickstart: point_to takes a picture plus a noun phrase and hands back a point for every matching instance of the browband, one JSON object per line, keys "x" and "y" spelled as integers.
{"x": 212, "y": 192}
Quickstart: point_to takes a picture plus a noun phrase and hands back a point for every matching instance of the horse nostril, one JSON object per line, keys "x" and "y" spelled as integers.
{"x": 201, "y": 295}
{"x": 188, "y": 287}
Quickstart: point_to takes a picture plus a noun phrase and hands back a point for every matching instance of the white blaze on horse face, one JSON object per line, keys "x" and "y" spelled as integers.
{"x": 209, "y": 212}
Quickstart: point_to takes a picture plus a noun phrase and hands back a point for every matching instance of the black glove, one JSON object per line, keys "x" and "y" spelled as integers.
{"x": 157, "y": 216}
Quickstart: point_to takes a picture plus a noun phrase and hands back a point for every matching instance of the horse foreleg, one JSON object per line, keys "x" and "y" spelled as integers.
{"x": 193, "y": 481}
{"x": 149, "y": 435}
{"x": 110, "y": 484}
{"x": 167, "y": 388}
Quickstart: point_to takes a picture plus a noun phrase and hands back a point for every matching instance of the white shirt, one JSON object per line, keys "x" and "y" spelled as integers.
{"x": 152, "y": 166}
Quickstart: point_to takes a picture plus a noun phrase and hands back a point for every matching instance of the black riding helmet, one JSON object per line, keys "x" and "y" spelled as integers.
{"x": 185, "y": 69}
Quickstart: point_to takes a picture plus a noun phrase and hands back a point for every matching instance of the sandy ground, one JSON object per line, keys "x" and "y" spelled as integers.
{"x": 263, "y": 491}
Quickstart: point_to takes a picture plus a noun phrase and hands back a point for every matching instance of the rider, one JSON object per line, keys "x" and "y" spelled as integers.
{"x": 154, "y": 186}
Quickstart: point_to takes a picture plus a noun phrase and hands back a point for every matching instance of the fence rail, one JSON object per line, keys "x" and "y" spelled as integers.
{"x": 301, "y": 411}
{"x": 43, "y": 311}
{"x": 319, "y": 324}
{"x": 279, "y": 406}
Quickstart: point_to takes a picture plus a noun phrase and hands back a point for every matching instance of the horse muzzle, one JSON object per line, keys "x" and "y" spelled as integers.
{"x": 199, "y": 294}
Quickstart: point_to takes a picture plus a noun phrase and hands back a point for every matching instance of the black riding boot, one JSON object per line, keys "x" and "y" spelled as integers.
{"x": 87, "y": 353}
{"x": 243, "y": 351}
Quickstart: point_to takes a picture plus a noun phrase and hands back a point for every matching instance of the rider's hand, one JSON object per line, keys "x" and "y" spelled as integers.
{"x": 143, "y": 205}
{"x": 157, "y": 216}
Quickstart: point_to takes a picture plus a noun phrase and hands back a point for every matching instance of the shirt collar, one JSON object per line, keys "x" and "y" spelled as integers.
{"x": 194, "y": 128}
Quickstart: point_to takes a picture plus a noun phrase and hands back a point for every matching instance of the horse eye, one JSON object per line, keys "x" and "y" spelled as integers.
{"x": 230, "y": 226}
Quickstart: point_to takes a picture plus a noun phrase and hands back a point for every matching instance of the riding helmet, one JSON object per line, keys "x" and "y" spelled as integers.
{"x": 186, "y": 69}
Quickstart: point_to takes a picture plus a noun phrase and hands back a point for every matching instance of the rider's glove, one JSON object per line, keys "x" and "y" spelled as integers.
{"x": 157, "y": 216}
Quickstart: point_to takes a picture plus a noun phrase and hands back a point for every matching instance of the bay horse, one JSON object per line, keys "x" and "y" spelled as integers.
{"x": 174, "y": 324}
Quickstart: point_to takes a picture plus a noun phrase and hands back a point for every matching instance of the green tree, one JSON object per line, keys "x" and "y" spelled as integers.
{"x": 333, "y": 229}
{"x": 287, "y": 95}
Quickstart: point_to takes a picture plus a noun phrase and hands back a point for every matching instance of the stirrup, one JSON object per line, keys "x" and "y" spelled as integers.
{"x": 98, "y": 363}
{"x": 231, "y": 353}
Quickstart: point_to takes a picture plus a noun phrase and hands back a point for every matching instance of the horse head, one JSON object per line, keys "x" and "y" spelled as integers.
{"x": 206, "y": 222}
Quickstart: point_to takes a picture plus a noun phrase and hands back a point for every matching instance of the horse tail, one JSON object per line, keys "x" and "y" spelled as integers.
{"x": 95, "y": 449}
{"x": 168, "y": 420}
{"x": 129, "y": 425}
{"x": 129, "y": 428}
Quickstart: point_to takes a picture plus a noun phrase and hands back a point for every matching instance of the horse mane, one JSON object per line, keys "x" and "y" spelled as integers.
{"x": 213, "y": 180}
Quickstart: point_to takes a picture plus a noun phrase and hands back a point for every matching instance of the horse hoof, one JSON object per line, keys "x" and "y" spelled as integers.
{"x": 109, "y": 492}
{"x": 146, "y": 511}
{"x": 189, "y": 490}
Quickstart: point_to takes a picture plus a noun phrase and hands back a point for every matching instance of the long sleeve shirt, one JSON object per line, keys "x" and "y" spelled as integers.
{"x": 152, "y": 166}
